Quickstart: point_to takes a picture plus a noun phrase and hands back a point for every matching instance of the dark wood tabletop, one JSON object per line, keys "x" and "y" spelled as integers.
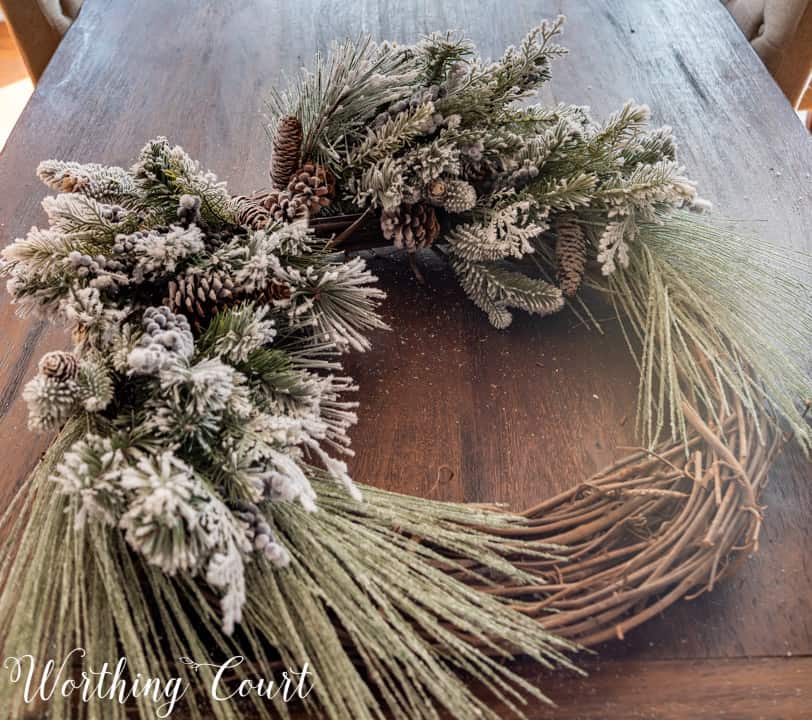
{"x": 452, "y": 408}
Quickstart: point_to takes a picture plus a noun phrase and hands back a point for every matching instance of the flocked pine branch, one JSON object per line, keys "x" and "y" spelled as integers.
{"x": 104, "y": 184}
{"x": 495, "y": 288}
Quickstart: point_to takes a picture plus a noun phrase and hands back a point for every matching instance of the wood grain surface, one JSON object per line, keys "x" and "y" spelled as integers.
{"x": 452, "y": 408}
{"x": 721, "y": 689}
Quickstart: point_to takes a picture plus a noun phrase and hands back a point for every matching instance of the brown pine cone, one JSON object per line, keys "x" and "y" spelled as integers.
{"x": 59, "y": 365}
{"x": 411, "y": 226}
{"x": 200, "y": 293}
{"x": 314, "y": 184}
{"x": 283, "y": 205}
{"x": 287, "y": 146}
{"x": 249, "y": 212}
{"x": 274, "y": 292}
{"x": 570, "y": 252}
{"x": 482, "y": 174}
{"x": 436, "y": 192}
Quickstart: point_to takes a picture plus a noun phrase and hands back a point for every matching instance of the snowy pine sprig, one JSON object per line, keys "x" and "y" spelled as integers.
{"x": 441, "y": 126}
{"x": 190, "y": 419}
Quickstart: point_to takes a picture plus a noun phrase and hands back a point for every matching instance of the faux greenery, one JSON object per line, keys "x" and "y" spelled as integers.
{"x": 395, "y": 122}
{"x": 195, "y": 502}
{"x": 434, "y": 123}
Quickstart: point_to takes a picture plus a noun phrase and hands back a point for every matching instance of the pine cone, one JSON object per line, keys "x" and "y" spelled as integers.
{"x": 275, "y": 291}
{"x": 314, "y": 184}
{"x": 285, "y": 206}
{"x": 250, "y": 213}
{"x": 570, "y": 252}
{"x": 287, "y": 145}
{"x": 436, "y": 192}
{"x": 200, "y": 293}
{"x": 189, "y": 210}
{"x": 59, "y": 365}
{"x": 460, "y": 196}
{"x": 482, "y": 173}
{"x": 260, "y": 533}
{"x": 455, "y": 196}
{"x": 411, "y": 226}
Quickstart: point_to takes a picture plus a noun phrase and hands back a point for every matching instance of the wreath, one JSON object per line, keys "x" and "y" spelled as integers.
{"x": 195, "y": 504}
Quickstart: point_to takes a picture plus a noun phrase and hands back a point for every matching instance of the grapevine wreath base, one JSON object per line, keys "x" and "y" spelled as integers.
{"x": 194, "y": 505}
{"x": 659, "y": 525}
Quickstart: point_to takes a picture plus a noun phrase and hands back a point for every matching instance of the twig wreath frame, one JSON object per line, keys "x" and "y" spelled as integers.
{"x": 202, "y": 414}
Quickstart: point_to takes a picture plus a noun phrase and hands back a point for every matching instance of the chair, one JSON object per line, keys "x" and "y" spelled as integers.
{"x": 780, "y": 31}
{"x": 37, "y": 27}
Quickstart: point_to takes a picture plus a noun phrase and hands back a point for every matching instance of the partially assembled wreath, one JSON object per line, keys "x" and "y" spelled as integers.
{"x": 203, "y": 416}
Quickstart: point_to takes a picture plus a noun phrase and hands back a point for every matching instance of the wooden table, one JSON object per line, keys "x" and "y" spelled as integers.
{"x": 452, "y": 408}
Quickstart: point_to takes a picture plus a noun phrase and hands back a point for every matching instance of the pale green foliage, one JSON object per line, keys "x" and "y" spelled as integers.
{"x": 503, "y": 232}
{"x": 438, "y": 52}
{"x": 95, "y": 387}
{"x": 238, "y": 334}
{"x": 568, "y": 192}
{"x": 386, "y": 632}
{"x": 164, "y": 173}
{"x": 336, "y": 300}
{"x": 485, "y": 89}
{"x": 84, "y": 218}
{"x": 494, "y": 288}
{"x": 433, "y": 160}
{"x": 342, "y": 93}
{"x": 382, "y": 184}
{"x": 393, "y": 135}
{"x": 690, "y": 286}
{"x": 438, "y": 113}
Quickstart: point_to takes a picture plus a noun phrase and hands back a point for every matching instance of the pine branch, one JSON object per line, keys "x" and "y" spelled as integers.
{"x": 565, "y": 193}
{"x": 87, "y": 219}
{"x": 393, "y": 135}
{"x": 438, "y": 53}
{"x": 486, "y": 90}
{"x": 164, "y": 174}
{"x": 342, "y": 93}
{"x": 111, "y": 185}
{"x": 505, "y": 232}
{"x": 494, "y": 288}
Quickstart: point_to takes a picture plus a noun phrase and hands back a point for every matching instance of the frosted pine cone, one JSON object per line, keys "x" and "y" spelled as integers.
{"x": 200, "y": 293}
{"x": 312, "y": 184}
{"x": 436, "y": 192}
{"x": 59, "y": 365}
{"x": 189, "y": 210}
{"x": 482, "y": 172}
{"x": 460, "y": 196}
{"x": 309, "y": 190}
{"x": 411, "y": 226}
{"x": 570, "y": 252}
{"x": 287, "y": 145}
{"x": 455, "y": 196}
{"x": 275, "y": 292}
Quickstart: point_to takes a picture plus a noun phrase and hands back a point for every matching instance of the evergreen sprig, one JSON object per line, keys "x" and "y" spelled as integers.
{"x": 188, "y": 418}
{"x": 437, "y": 123}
